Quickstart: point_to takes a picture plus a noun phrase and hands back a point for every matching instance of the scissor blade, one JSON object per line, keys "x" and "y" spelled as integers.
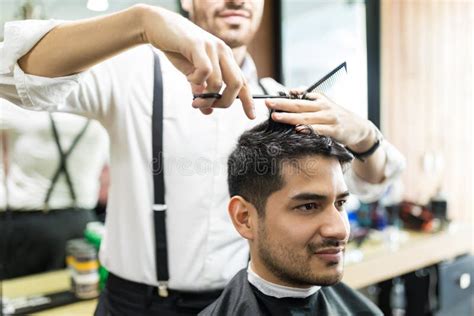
{"x": 256, "y": 96}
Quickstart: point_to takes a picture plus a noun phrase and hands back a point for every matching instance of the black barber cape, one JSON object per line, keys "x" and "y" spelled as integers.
{"x": 240, "y": 298}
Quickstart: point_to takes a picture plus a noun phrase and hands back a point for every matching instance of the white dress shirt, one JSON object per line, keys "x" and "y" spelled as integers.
{"x": 33, "y": 159}
{"x": 204, "y": 250}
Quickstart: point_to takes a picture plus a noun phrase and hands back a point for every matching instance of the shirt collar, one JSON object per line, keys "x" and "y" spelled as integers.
{"x": 275, "y": 290}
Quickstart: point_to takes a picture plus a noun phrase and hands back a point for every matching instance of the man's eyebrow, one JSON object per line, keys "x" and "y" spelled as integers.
{"x": 308, "y": 196}
{"x": 305, "y": 196}
{"x": 343, "y": 195}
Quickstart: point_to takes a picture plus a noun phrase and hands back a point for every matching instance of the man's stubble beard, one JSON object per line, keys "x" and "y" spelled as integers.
{"x": 291, "y": 268}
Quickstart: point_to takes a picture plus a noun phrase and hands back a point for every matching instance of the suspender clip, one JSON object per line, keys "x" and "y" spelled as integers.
{"x": 163, "y": 288}
{"x": 160, "y": 207}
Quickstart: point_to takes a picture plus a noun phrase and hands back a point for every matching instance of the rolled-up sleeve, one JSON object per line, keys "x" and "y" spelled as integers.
{"x": 42, "y": 93}
{"x": 369, "y": 192}
{"x": 79, "y": 93}
{"x": 29, "y": 91}
{"x": 19, "y": 38}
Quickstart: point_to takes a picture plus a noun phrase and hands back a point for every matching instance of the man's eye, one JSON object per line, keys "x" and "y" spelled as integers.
{"x": 340, "y": 204}
{"x": 308, "y": 207}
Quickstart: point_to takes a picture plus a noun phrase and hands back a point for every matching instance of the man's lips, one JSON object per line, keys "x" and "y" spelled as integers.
{"x": 234, "y": 13}
{"x": 330, "y": 254}
{"x": 330, "y": 250}
{"x": 234, "y": 17}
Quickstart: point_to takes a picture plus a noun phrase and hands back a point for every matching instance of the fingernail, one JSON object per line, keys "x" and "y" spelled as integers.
{"x": 276, "y": 115}
{"x": 269, "y": 102}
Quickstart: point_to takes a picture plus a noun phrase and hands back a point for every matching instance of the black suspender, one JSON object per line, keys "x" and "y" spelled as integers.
{"x": 159, "y": 206}
{"x": 62, "y": 168}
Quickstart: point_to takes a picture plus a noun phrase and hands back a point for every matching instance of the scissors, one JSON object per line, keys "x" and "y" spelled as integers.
{"x": 281, "y": 95}
{"x": 322, "y": 85}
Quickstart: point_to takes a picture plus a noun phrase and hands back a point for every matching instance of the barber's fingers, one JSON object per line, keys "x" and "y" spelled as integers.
{"x": 232, "y": 76}
{"x": 315, "y": 96}
{"x": 187, "y": 68}
{"x": 298, "y": 91}
{"x": 235, "y": 84}
{"x": 237, "y": 88}
{"x": 213, "y": 82}
{"x": 202, "y": 65}
{"x": 305, "y": 118}
{"x": 247, "y": 101}
{"x": 206, "y": 111}
{"x": 321, "y": 129}
{"x": 295, "y": 105}
{"x": 209, "y": 67}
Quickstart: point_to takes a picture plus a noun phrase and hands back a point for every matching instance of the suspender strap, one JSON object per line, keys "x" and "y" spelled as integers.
{"x": 62, "y": 168}
{"x": 159, "y": 206}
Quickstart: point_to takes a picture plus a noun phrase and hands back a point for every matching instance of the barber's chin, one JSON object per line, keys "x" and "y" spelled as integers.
{"x": 234, "y": 38}
{"x": 234, "y": 42}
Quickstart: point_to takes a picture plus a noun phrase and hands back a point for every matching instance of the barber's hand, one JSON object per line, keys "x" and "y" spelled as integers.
{"x": 206, "y": 60}
{"x": 326, "y": 118}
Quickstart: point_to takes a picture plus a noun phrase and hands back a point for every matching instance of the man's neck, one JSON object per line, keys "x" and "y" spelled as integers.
{"x": 276, "y": 290}
{"x": 239, "y": 54}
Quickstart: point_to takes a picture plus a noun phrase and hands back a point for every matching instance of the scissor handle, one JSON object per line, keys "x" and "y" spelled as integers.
{"x": 207, "y": 96}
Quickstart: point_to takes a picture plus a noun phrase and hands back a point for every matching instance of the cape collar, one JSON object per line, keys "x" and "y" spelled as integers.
{"x": 275, "y": 290}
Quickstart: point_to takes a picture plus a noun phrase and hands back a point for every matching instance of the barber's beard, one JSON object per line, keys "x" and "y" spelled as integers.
{"x": 291, "y": 267}
{"x": 233, "y": 37}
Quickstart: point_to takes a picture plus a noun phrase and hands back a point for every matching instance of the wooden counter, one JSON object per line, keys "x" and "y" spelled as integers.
{"x": 420, "y": 250}
{"x": 46, "y": 283}
{"x": 379, "y": 263}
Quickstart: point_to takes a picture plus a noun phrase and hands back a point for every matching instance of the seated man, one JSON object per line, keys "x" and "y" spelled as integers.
{"x": 287, "y": 199}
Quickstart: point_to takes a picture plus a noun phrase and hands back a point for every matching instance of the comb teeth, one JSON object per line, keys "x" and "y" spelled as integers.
{"x": 328, "y": 81}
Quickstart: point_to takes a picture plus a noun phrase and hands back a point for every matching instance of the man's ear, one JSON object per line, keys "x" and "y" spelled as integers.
{"x": 187, "y": 5}
{"x": 242, "y": 214}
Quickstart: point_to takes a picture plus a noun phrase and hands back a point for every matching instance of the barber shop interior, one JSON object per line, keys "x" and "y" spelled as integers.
{"x": 237, "y": 158}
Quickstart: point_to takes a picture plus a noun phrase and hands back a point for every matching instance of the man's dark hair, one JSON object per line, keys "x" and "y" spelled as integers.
{"x": 254, "y": 167}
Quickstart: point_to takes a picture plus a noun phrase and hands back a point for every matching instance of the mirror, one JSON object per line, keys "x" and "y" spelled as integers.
{"x": 345, "y": 31}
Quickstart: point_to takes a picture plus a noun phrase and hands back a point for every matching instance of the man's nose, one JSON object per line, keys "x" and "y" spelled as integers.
{"x": 335, "y": 224}
{"x": 236, "y": 2}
